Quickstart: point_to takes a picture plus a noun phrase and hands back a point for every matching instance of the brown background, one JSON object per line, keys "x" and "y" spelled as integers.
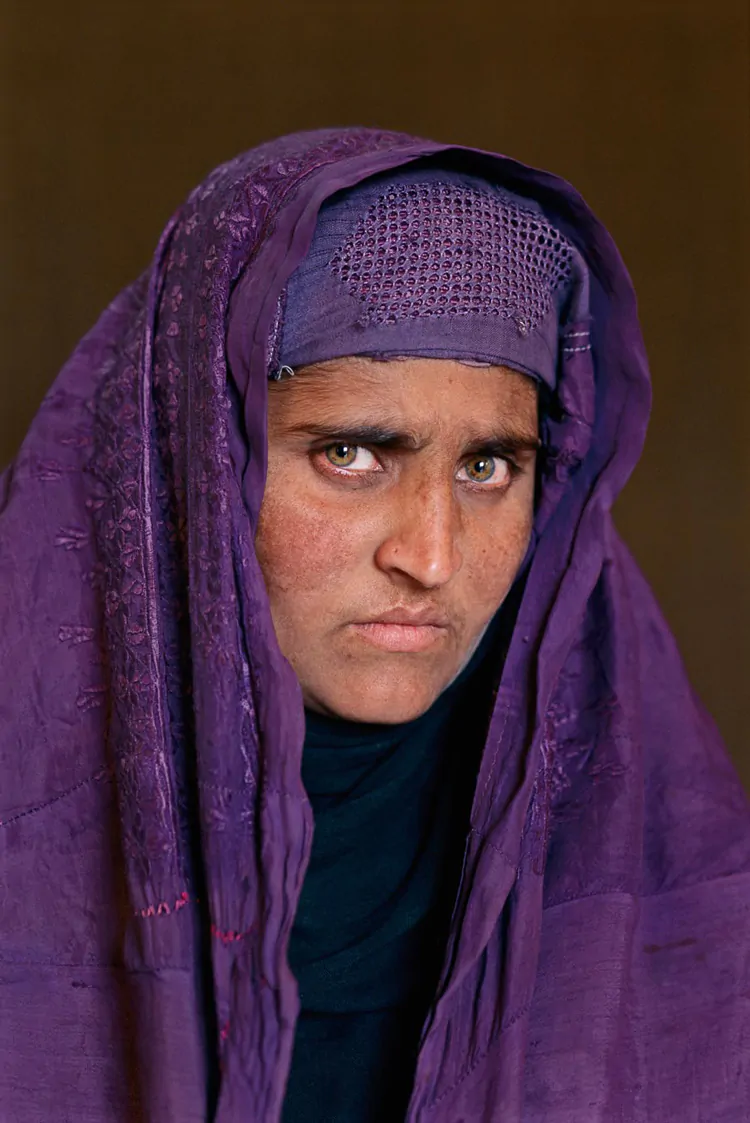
{"x": 112, "y": 112}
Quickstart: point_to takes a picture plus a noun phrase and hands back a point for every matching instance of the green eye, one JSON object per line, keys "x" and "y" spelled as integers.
{"x": 341, "y": 455}
{"x": 481, "y": 469}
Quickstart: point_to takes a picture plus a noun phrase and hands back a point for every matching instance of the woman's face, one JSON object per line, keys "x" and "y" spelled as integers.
{"x": 397, "y": 511}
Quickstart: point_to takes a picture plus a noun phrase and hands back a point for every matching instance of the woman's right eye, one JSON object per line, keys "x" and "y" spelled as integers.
{"x": 353, "y": 458}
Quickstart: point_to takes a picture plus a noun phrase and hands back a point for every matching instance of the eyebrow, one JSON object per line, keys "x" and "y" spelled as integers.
{"x": 496, "y": 442}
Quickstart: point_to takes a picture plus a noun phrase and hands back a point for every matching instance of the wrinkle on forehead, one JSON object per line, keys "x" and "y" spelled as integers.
{"x": 328, "y": 391}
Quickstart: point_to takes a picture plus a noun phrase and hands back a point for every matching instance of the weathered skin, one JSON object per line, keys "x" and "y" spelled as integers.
{"x": 410, "y": 529}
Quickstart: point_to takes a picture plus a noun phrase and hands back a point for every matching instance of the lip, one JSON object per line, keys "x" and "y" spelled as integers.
{"x": 410, "y": 617}
{"x": 398, "y": 636}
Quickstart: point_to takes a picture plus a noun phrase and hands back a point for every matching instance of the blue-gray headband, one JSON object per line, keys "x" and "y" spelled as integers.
{"x": 438, "y": 264}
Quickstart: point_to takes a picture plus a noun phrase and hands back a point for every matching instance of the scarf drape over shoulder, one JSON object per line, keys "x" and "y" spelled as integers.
{"x": 154, "y": 828}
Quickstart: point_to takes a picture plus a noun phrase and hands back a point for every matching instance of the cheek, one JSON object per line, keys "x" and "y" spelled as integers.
{"x": 495, "y": 552}
{"x": 300, "y": 547}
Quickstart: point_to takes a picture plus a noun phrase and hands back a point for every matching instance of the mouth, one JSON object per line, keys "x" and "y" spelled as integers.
{"x": 400, "y": 637}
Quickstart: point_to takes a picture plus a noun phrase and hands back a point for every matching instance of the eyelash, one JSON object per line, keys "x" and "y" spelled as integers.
{"x": 365, "y": 476}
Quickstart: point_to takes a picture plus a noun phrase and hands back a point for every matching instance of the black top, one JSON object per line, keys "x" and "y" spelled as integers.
{"x": 391, "y": 805}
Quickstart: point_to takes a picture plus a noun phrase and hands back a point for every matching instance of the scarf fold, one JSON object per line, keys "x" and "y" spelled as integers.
{"x": 154, "y": 827}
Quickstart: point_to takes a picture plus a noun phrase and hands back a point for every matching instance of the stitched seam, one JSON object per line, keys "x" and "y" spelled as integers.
{"x": 286, "y": 795}
{"x": 634, "y": 896}
{"x": 100, "y": 774}
{"x": 506, "y": 1025}
{"x": 496, "y": 754}
{"x": 498, "y": 850}
{"x": 93, "y": 965}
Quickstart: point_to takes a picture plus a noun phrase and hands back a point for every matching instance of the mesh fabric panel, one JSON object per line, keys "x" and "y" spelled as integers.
{"x": 436, "y": 249}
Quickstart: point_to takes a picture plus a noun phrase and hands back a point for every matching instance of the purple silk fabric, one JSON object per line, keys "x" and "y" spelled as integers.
{"x": 155, "y": 831}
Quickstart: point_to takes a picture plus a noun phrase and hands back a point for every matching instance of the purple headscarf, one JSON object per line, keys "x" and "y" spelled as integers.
{"x": 155, "y": 831}
{"x": 433, "y": 262}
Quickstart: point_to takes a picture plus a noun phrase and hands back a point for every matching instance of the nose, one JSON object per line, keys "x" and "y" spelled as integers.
{"x": 422, "y": 540}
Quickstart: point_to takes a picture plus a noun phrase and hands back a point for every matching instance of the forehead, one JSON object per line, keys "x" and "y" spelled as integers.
{"x": 416, "y": 391}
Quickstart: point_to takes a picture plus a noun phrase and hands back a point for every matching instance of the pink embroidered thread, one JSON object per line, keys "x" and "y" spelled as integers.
{"x": 231, "y": 936}
{"x": 163, "y": 908}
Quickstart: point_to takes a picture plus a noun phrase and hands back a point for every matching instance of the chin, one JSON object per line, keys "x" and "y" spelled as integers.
{"x": 373, "y": 706}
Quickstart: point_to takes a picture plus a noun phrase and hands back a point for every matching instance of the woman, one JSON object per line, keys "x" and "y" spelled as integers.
{"x": 526, "y": 893}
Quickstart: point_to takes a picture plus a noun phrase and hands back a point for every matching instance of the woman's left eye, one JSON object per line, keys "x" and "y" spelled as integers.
{"x": 350, "y": 457}
{"x": 493, "y": 470}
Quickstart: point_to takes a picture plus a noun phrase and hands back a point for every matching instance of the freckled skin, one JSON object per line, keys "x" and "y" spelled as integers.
{"x": 338, "y": 544}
